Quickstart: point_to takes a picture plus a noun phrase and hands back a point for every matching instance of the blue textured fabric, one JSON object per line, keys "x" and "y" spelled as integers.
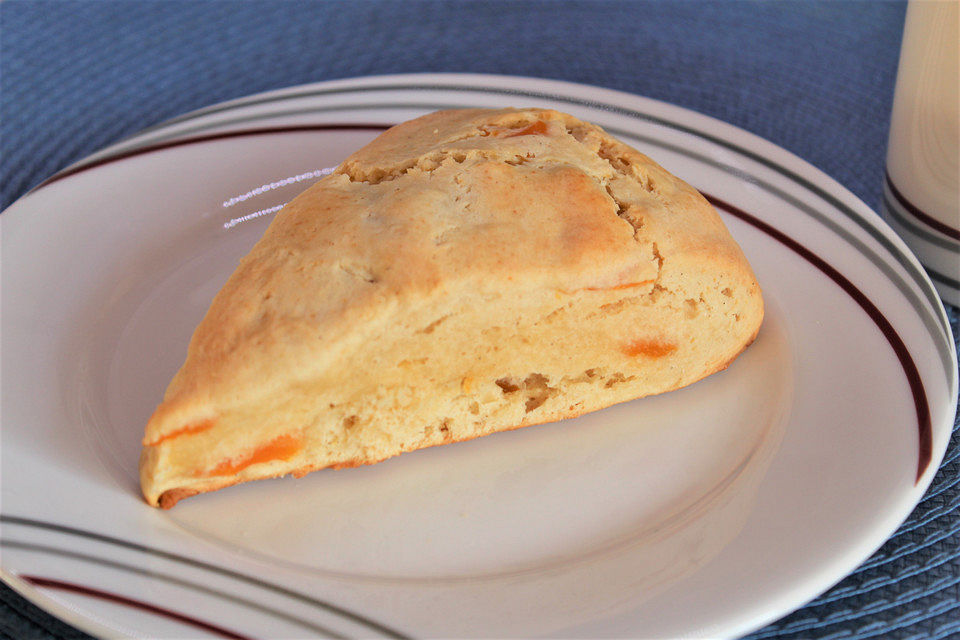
{"x": 814, "y": 77}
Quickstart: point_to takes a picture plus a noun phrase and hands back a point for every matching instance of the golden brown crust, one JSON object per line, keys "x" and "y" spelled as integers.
{"x": 170, "y": 497}
{"x": 385, "y": 305}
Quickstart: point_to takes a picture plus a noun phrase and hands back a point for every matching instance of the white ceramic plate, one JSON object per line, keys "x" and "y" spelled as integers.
{"x": 704, "y": 512}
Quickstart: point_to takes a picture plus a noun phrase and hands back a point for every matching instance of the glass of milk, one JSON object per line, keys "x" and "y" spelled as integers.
{"x": 921, "y": 198}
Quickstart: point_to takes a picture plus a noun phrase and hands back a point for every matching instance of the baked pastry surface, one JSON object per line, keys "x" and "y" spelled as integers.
{"x": 467, "y": 272}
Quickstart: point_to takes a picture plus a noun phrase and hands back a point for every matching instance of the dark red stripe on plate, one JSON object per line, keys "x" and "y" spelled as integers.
{"x": 130, "y": 602}
{"x": 924, "y": 426}
{"x": 207, "y": 138}
{"x": 919, "y": 214}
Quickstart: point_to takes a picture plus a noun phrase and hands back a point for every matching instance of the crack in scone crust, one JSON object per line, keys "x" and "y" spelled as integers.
{"x": 615, "y": 161}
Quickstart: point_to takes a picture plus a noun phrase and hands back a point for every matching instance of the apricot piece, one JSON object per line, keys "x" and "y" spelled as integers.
{"x": 190, "y": 429}
{"x": 617, "y": 287}
{"x": 649, "y": 348}
{"x": 280, "y": 448}
{"x": 538, "y": 128}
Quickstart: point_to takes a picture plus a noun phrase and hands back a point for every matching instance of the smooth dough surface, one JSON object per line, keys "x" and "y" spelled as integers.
{"x": 467, "y": 272}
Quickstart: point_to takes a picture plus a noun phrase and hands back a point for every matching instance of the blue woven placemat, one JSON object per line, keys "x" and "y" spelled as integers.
{"x": 814, "y": 77}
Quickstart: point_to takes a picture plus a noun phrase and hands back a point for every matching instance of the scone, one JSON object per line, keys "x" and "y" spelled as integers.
{"x": 467, "y": 272}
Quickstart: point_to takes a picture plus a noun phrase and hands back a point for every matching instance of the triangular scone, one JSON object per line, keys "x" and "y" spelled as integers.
{"x": 467, "y": 272}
